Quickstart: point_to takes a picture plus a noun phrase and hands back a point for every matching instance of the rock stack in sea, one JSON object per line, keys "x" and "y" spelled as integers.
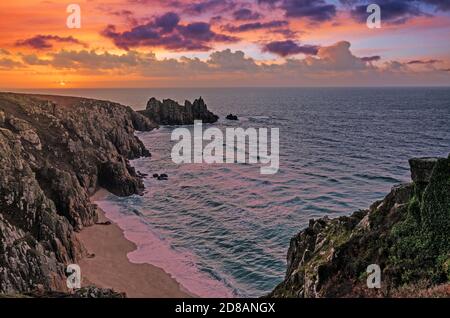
{"x": 407, "y": 234}
{"x": 232, "y": 117}
{"x": 54, "y": 153}
{"x": 169, "y": 112}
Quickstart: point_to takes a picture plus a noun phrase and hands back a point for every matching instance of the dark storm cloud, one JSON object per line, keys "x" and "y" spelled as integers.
{"x": 397, "y": 11}
{"x": 286, "y": 48}
{"x": 423, "y": 62}
{"x": 443, "y": 5}
{"x": 206, "y": 6}
{"x": 392, "y": 11}
{"x": 313, "y": 10}
{"x": 167, "y": 32}
{"x": 270, "y": 3}
{"x": 255, "y": 26}
{"x": 42, "y": 42}
{"x": 245, "y": 14}
{"x": 369, "y": 59}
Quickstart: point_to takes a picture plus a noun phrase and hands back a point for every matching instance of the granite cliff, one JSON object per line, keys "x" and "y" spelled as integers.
{"x": 54, "y": 153}
{"x": 407, "y": 234}
{"x": 169, "y": 112}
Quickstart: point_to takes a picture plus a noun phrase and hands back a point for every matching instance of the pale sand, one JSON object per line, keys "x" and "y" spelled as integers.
{"x": 110, "y": 267}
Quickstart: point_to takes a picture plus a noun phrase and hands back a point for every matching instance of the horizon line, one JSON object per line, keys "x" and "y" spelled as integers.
{"x": 10, "y": 89}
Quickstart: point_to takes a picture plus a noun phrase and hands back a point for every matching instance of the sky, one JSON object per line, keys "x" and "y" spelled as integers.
{"x": 223, "y": 43}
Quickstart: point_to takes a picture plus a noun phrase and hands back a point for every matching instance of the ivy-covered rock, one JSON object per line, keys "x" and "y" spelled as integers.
{"x": 407, "y": 234}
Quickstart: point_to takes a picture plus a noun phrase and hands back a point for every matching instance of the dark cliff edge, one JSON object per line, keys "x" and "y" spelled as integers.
{"x": 407, "y": 234}
{"x": 54, "y": 153}
{"x": 169, "y": 112}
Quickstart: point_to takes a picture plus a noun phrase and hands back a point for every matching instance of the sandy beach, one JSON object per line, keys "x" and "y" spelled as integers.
{"x": 109, "y": 267}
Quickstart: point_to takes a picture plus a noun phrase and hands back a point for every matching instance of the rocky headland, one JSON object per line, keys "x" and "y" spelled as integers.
{"x": 407, "y": 234}
{"x": 54, "y": 153}
{"x": 169, "y": 112}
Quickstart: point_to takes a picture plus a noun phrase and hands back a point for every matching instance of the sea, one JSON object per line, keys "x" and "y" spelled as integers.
{"x": 223, "y": 230}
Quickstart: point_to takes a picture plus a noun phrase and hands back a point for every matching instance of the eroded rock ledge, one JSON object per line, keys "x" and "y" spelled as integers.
{"x": 169, "y": 112}
{"x": 54, "y": 152}
{"x": 406, "y": 234}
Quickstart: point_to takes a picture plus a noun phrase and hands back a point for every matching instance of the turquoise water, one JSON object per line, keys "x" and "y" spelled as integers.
{"x": 224, "y": 230}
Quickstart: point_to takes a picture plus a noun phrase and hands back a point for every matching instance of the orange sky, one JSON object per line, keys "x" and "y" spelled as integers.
{"x": 37, "y": 50}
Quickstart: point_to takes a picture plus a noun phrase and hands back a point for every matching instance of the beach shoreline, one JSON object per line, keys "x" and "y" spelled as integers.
{"x": 107, "y": 266}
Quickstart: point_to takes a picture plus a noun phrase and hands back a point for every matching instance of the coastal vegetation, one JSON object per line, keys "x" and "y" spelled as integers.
{"x": 406, "y": 234}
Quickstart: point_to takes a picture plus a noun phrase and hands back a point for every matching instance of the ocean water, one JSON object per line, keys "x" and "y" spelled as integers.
{"x": 224, "y": 230}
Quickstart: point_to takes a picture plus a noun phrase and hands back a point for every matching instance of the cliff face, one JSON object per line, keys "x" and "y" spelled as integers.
{"x": 169, "y": 112}
{"x": 54, "y": 152}
{"x": 407, "y": 234}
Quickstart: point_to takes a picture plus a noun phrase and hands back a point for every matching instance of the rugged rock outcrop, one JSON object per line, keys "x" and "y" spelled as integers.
{"x": 169, "y": 112}
{"x": 232, "y": 117}
{"x": 84, "y": 292}
{"x": 54, "y": 152}
{"x": 407, "y": 234}
{"x": 421, "y": 169}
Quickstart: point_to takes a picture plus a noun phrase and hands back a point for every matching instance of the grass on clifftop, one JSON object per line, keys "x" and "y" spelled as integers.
{"x": 422, "y": 240}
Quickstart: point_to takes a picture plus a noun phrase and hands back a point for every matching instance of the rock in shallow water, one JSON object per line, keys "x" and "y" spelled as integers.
{"x": 232, "y": 117}
{"x": 163, "y": 177}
